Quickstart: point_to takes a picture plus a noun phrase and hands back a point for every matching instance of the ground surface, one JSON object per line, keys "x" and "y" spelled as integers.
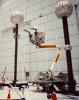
{"x": 32, "y": 94}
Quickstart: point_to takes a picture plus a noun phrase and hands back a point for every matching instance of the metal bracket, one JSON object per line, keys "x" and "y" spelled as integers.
{"x": 67, "y": 47}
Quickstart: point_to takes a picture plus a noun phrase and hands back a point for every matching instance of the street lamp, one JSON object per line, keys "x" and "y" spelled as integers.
{"x": 63, "y": 10}
{"x": 16, "y": 18}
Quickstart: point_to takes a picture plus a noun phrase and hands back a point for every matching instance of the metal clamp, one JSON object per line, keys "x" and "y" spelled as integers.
{"x": 67, "y": 47}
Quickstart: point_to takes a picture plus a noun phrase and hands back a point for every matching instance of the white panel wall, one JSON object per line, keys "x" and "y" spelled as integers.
{"x": 29, "y": 57}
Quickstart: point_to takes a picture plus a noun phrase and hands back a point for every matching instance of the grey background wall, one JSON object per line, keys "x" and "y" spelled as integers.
{"x": 32, "y": 59}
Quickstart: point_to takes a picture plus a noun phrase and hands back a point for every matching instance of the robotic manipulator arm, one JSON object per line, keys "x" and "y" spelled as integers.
{"x": 37, "y": 37}
{"x": 56, "y": 58}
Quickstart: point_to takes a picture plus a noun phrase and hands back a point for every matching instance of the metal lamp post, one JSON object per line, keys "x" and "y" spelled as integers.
{"x": 16, "y": 19}
{"x": 63, "y": 10}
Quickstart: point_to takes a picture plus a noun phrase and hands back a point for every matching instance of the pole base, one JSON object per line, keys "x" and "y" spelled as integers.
{"x": 74, "y": 93}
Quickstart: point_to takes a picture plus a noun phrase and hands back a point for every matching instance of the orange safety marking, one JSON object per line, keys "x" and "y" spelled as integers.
{"x": 9, "y": 95}
{"x": 53, "y": 96}
{"x": 57, "y": 57}
{"x": 47, "y": 46}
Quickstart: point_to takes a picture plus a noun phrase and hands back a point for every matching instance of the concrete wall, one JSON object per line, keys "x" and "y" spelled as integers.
{"x": 36, "y": 60}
